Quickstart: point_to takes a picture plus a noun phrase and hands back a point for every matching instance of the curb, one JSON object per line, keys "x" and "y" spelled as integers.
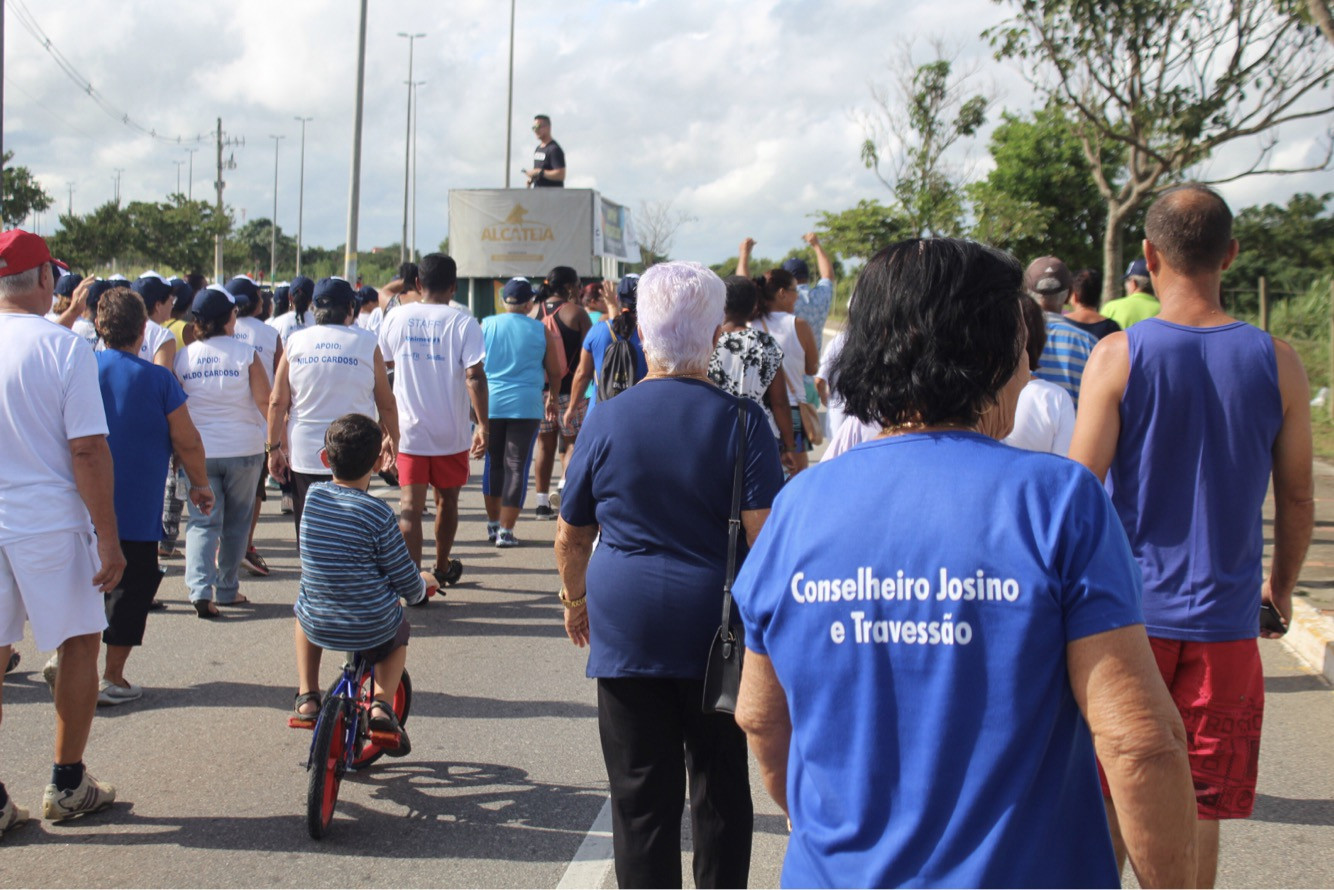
{"x": 1310, "y": 637}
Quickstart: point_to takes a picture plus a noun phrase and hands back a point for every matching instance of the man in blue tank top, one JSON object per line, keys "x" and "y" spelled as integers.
{"x": 1186, "y": 417}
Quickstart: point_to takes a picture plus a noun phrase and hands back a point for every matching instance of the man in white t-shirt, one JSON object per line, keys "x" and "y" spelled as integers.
{"x": 436, "y": 352}
{"x": 58, "y": 476}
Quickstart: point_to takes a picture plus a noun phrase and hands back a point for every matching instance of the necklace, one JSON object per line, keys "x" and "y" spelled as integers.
{"x": 690, "y": 376}
{"x": 916, "y": 426}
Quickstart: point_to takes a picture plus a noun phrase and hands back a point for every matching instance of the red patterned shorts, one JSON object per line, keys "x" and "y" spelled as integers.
{"x": 1219, "y": 690}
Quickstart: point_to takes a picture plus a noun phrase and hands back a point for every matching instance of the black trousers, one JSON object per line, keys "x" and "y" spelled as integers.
{"x": 127, "y": 605}
{"x": 654, "y": 737}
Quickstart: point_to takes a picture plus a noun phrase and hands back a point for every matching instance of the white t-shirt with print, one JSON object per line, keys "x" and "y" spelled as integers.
{"x": 1044, "y": 418}
{"x": 331, "y": 369}
{"x": 431, "y": 346}
{"x": 49, "y": 394}
{"x": 215, "y": 374}
{"x": 262, "y": 338}
{"x": 286, "y": 323}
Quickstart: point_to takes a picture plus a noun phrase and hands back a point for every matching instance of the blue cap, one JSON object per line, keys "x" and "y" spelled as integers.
{"x": 66, "y": 285}
{"x": 153, "y": 288}
{"x": 300, "y": 286}
{"x": 212, "y": 302}
{"x": 797, "y": 268}
{"x": 244, "y": 289}
{"x": 627, "y": 292}
{"x": 1137, "y": 267}
{"x": 182, "y": 294}
{"x": 367, "y": 294}
{"x": 99, "y": 287}
{"x": 517, "y": 290}
{"x": 334, "y": 292}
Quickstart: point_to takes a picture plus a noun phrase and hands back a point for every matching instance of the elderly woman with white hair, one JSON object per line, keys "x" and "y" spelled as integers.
{"x": 648, "y": 601}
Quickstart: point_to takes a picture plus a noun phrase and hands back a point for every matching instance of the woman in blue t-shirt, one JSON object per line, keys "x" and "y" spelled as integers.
{"x": 621, "y": 324}
{"x": 935, "y": 621}
{"x": 146, "y": 421}
{"x": 648, "y": 601}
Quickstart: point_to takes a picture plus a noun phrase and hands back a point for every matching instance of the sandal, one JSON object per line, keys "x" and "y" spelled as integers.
{"x": 206, "y": 609}
{"x": 305, "y": 698}
{"x": 383, "y": 719}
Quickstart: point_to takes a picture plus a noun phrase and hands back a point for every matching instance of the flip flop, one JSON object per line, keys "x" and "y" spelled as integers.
{"x": 206, "y": 609}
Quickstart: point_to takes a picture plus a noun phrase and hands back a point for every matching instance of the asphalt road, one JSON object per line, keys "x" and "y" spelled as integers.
{"x": 505, "y": 778}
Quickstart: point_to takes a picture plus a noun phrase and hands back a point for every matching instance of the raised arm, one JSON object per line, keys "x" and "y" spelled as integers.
{"x": 822, "y": 261}
{"x": 1141, "y": 744}
{"x": 743, "y": 257}
{"x": 1098, "y": 420}
{"x": 1294, "y": 488}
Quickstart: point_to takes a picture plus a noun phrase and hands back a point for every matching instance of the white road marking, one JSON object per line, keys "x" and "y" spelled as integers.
{"x": 594, "y": 856}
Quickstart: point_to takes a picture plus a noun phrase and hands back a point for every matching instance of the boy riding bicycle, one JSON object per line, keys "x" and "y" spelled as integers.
{"x": 354, "y": 568}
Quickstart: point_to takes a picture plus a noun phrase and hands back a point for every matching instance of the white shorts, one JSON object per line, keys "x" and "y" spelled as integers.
{"x": 47, "y": 580}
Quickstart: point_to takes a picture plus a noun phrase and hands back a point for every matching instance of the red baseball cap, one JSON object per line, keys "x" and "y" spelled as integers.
{"x": 21, "y": 251}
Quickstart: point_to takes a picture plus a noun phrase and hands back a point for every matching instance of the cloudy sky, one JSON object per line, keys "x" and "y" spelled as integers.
{"x": 744, "y": 114}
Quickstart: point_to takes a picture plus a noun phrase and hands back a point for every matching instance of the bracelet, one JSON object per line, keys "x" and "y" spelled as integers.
{"x": 270, "y": 448}
{"x": 569, "y": 603}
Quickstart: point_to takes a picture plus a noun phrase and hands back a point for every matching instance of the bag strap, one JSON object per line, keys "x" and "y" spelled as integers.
{"x": 734, "y": 522}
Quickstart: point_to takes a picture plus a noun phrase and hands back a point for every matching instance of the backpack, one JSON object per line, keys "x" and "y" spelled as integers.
{"x": 549, "y": 322}
{"x": 618, "y": 367}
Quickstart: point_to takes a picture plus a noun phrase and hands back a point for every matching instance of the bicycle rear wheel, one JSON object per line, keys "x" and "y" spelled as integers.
{"x": 368, "y": 752}
{"x": 325, "y": 773}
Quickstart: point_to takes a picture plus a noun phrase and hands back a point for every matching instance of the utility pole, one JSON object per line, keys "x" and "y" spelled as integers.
{"x": 190, "y": 186}
{"x": 219, "y": 184}
{"x": 119, "y": 171}
{"x": 354, "y": 196}
{"x": 273, "y": 223}
{"x": 412, "y": 254}
{"x": 179, "y": 165}
{"x": 509, "y": 104}
{"x": 301, "y": 192}
{"x": 407, "y": 150}
{"x": 69, "y": 208}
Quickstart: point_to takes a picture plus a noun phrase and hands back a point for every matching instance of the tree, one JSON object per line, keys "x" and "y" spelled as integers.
{"x": 1040, "y": 198}
{"x": 176, "y": 234}
{"x": 1291, "y": 246}
{"x": 94, "y": 240}
{"x": 1167, "y": 82}
{"x": 22, "y": 193}
{"x": 917, "y": 119}
{"x": 656, "y": 225}
{"x": 861, "y": 232}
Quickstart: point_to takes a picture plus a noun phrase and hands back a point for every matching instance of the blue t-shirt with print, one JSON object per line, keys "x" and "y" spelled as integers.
{"x": 516, "y": 347}
{"x": 138, "y": 396}
{"x": 916, "y": 596}
{"x": 596, "y": 341}
{"x": 655, "y": 580}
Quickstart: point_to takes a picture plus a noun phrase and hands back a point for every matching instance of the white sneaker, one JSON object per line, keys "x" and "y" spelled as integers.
{"x": 114, "y": 694}
{"x": 505, "y": 538}
{"x": 11, "y": 816}
{"x": 89, "y": 797}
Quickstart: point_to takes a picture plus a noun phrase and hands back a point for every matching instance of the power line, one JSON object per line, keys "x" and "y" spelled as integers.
{"x": 29, "y": 24}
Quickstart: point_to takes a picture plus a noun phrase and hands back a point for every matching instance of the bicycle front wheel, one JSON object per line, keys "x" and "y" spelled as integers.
{"x": 326, "y": 766}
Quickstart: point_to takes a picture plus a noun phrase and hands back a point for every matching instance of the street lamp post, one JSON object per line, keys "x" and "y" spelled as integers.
{"x": 354, "y": 192}
{"x": 179, "y": 165}
{"x": 190, "y": 183}
{"x": 509, "y": 104}
{"x": 407, "y": 150}
{"x": 273, "y": 223}
{"x": 301, "y": 192}
{"x": 415, "y": 109}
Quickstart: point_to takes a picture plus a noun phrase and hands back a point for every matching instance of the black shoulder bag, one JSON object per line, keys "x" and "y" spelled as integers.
{"x": 722, "y": 674}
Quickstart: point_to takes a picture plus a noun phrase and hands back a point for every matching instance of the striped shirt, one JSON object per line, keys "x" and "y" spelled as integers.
{"x": 354, "y": 567}
{"x": 1066, "y": 353}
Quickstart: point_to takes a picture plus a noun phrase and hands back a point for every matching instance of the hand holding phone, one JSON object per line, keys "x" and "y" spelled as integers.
{"x": 1271, "y": 621}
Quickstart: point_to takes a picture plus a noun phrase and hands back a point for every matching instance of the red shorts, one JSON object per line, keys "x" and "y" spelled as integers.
{"x": 1219, "y": 688}
{"x": 440, "y": 470}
